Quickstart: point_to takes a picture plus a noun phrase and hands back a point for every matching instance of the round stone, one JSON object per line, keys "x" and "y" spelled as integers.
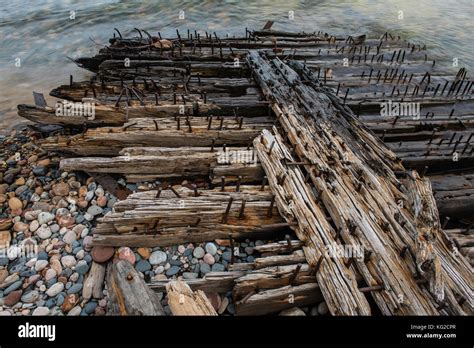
{"x": 44, "y": 232}
{"x": 211, "y": 248}
{"x": 102, "y": 254}
{"x": 61, "y": 189}
{"x": 82, "y": 267}
{"x": 40, "y": 265}
{"x": 87, "y": 243}
{"x": 69, "y": 237}
{"x": 75, "y": 288}
{"x": 55, "y": 289}
{"x": 75, "y": 311}
{"x": 56, "y": 266}
{"x": 16, "y": 285}
{"x": 205, "y": 268}
{"x": 34, "y": 225}
{"x": 30, "y": 297}
{"x": 209, "y": 259}
{"x": 68, "y": 261}
{"x": 20, "y": 226}
{"x": 144, "y": 252}
{"x": 199, "y": 252}
{"x": 125, "y": 253}
{"x": 15, "y": 204}
{"x": 44, "y": 218}
{"x": 323, "y": 308}
{"x": 94, "y": 210}
{"x": 143, "y": 266}
{"x": 223, "y": 306}
{"x": 40, "y": 311}
{"x": 158, "y": 257}
{"x": 50, "y": 274}
{"x": 12, "y": 298}
{"x": 102, "y": 201}
{"x": 172, "y": 271}
{"x": 90, "y": 307}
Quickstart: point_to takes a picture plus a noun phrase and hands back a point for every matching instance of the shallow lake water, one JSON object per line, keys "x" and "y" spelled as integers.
{"x": 40, "y": 35}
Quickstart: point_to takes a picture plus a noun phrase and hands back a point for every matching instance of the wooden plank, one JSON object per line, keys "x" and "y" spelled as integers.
{"x": 128, "y": 293}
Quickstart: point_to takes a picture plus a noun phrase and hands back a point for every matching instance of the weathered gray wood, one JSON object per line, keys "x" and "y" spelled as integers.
{"x": 128, "y": 293}
{"x": 275, "y": 300}
{"x": 342, "y": 147}
{"x": 219, "y": 282}
{"x": 94, "y": 281}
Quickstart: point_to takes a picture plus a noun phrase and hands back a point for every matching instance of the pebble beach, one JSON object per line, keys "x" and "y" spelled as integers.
{"x": 47, "y": 217}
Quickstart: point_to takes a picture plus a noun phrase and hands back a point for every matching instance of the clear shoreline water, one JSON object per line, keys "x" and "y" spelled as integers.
{"x": 42, "y": 34}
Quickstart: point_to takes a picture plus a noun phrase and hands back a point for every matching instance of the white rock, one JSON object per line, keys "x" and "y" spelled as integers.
{"x": 85, "y": 232}
{"x": 75, "y": 311}
{"x": 68, "y": 261}
{"x": 44, "y": 232}
{"x": 35, "y": 198}
{"x": 50, "y": 274}
{"x": 99, "y": 192}
{"x": 62, "y": 212}
{"x": 69, "y": 237}
{"x": 44, "y": 218}
{"x": 40, "y": 311}
{"x": 88, "y": 217}
{"x": 80, "y": 254}
{"x": 31, "y": 262}
{"x": 55, "y": 289}
{"x": 74, "y": 277}
{"x": 211, "y": 248}
{"x": 32, "y": 214}
{"x": 54, "y": 228}
{"x": 158, "y": 257}
{"x": 34, "y": 225}
{"x": 40, "y": 265}
{"x": 199, "y": 252}
{"x": 13, "y": 252}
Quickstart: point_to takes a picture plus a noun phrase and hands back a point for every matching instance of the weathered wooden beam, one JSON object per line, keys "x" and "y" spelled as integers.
{"x": 217, "y": 282}
{"x": 351, "y": 170}
{"x": 128, "y": 293}
{"x": 275, "y": 300}
{"x": 94, "y": 282}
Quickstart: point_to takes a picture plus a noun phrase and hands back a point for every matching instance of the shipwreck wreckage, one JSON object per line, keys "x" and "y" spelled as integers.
{"x": 325, "y": 168}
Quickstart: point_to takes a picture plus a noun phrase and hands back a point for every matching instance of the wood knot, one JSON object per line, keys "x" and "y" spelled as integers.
{"x": 129, "y": 277}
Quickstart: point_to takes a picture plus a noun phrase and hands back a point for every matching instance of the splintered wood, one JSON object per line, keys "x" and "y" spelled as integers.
{"x": 181, "y": 214}
{"x": 184, "y": 111}
{"x": 183, "y": 301}
{"x": 337, "y": 165}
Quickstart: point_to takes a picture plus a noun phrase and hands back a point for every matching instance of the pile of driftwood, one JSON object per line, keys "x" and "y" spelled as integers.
{"x": 278, "y": 133}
